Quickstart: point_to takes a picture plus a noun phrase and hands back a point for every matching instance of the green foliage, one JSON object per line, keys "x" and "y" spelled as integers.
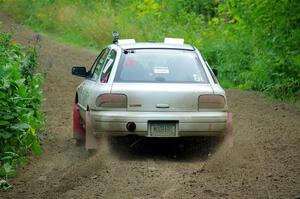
{"x": 20, "y": 99}
{"x": 4, "y": 185}
{"x": 274, "y": 30}
{"x": 254, "y": 44}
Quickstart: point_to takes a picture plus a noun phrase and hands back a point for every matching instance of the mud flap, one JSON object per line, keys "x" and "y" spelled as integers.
{"x": 78, "y": 130}
{"x": 229, "y": 137}
{"x": 91, "y": 142}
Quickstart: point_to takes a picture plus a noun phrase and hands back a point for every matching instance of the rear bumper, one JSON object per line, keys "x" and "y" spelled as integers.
{"x": 188, "y": 123}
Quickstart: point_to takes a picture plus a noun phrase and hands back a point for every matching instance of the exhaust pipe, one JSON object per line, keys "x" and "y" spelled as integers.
{"x": 131, "y": 126}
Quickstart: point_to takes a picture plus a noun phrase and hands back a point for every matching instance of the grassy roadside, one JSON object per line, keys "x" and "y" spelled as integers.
{"x": 233, "y": 39}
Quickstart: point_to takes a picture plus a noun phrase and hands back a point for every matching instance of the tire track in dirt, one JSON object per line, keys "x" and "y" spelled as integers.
{"x": 263, "y": 162}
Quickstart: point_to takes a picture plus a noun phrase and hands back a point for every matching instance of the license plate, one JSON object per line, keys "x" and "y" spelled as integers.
{"x": 162, "y": 129}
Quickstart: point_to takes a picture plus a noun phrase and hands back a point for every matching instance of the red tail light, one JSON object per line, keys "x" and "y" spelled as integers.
{"x": 112, "y": 101}
{"x": 211, "y": 101}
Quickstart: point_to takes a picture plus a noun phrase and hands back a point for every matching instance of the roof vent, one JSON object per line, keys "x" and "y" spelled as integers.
{"x": 178, "y": 41}
{"x": 126, "y": 41}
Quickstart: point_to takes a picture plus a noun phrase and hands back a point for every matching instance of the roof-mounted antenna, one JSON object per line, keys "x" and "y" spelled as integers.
{"x": 115, "y": 34}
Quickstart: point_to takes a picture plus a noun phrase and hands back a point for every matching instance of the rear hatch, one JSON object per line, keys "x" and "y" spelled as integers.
{"x": 161, "y": 96}
{"x": 161, "y": 80}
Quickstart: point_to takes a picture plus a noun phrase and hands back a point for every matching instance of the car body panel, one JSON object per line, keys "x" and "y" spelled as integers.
{"x": 88, "y": 91}
{"x": 188, "y": 124}
{"x": 162, "y": 96}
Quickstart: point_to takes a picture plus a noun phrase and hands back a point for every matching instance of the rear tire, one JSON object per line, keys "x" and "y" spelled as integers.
{"x": 80, "y": 142}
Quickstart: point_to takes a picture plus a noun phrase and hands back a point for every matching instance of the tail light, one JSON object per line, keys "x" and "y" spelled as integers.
{"x": 211, "y": 101}
{"x": 111, "y": 101}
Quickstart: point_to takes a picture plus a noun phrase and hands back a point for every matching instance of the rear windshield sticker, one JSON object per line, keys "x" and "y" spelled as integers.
{"x": 197, "y": 78}
{"x": 110, "y": 61}
{"x": 161, "y": 70}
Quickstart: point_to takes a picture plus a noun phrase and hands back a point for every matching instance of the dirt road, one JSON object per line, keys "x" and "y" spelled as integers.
{"x": 264, "y": 161}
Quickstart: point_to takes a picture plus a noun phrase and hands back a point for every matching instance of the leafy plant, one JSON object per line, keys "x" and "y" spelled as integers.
{"x": 20, "y": 99}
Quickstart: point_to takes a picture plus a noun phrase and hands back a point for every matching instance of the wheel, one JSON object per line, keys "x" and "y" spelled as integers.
{"x": 80, "y": 142}
{"x": 91, "y": 152}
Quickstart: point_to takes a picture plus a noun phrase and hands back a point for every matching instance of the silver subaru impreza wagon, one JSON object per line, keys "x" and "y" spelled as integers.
{"x": 149, "y": 89}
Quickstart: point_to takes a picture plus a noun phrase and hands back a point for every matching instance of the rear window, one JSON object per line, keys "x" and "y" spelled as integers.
{"x": 159, "y": 66}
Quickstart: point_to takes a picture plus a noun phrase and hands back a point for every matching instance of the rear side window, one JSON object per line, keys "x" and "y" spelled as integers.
{"x": 108, "y": 64}
{"x": 159, "y": 66}
{"x": 99, "y": 63}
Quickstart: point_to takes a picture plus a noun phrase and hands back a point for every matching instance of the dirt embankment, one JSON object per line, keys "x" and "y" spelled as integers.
{"x": 264, "y": 161}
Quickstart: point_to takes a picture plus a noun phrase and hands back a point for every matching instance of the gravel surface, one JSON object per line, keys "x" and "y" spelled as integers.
{"x": 261, "y": 159}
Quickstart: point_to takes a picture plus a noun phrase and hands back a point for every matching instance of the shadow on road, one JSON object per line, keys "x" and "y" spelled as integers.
{"x": 175, "y": 149}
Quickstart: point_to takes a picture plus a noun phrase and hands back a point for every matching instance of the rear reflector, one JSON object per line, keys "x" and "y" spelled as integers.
{"x": 211, "y": 101}
{"x": 112, "y": 101}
